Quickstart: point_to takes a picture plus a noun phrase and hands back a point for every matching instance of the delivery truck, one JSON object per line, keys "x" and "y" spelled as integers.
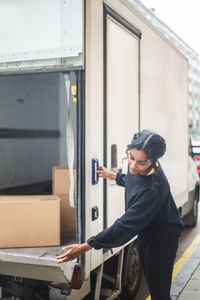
{"x": 77, "y": 80}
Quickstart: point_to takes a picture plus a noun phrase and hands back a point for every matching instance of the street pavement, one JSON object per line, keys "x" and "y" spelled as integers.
{"x": 186, "y": 284}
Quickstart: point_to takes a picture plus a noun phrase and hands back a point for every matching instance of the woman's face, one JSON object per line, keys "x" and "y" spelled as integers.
{"x": 138, "y": 162}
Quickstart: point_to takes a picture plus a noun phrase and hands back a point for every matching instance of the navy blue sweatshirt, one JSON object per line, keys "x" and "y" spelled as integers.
{"x": 150, "y": 212}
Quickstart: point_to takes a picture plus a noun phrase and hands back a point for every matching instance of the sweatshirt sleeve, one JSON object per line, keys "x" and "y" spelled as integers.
{"x": 121, "y": 179}
{"x": 134, "y": 220}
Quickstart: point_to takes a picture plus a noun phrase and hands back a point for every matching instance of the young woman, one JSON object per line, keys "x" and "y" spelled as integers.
{"x": 151, "y": 213}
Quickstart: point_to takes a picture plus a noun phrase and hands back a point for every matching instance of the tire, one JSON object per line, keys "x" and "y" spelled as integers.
{"x": 190, "y": 220}
{"x": 131, "y": 273}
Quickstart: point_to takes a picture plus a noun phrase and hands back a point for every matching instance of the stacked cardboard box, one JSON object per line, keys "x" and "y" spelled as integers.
{"x": 29, "y": 221}
{"x": 36, "y": 221}
{"x": 61, "y": 186}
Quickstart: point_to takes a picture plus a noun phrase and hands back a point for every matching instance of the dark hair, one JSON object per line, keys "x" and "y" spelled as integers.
{"x": 152, "y": 144}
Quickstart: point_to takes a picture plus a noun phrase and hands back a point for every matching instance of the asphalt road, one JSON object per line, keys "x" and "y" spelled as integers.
{"x": 186, "y": 238}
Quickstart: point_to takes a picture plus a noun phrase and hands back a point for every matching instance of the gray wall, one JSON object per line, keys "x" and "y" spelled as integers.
{"x": 35, "y": 102}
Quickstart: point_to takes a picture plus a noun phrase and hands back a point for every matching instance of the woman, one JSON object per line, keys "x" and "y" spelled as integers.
{"x": 151, "y": 213}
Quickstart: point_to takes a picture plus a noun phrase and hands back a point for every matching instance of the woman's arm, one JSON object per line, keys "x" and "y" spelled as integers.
{"x": 78, "y": 249}
{"x": 122, "y": 230}
{"x": 133, "y": 221}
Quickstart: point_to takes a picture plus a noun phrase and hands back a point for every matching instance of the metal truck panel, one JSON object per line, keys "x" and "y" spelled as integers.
{"x": 93, "y": 124}
{"x": 163, "y": 93}
{"x": 40, "y": 30}
{"x": 121, "y": 117}
{"x": 37, "y": 262}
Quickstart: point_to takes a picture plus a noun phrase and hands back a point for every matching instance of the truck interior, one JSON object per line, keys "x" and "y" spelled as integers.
{"x": 34, "y": 116}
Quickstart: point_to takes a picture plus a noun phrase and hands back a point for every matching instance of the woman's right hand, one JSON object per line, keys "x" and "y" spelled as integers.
{"x": 104, "y": 173}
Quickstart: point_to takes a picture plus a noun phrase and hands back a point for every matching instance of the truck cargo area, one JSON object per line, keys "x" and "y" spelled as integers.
{"x": 33, "y": 120}
{"x": 33, "y": 130}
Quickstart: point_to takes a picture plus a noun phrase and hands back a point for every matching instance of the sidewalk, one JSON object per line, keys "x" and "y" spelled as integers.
{"x": 186, "y": 284}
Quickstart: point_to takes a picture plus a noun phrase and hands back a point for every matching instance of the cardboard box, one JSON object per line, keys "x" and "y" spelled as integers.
{"x": 29, "y": 221}
{"x": 61, "y": 185}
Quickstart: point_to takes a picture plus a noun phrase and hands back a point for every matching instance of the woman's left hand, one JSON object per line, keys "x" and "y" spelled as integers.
{"x": 73, "y": 252}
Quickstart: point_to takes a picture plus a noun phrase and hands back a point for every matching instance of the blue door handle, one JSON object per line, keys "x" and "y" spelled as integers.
{"x": 95, "y": 166}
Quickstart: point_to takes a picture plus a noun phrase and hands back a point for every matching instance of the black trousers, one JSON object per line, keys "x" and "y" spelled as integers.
{"x": 157, "y": 258}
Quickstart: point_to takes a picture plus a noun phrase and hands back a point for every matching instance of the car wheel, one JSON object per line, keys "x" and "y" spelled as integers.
{"x": 132, "y": 274}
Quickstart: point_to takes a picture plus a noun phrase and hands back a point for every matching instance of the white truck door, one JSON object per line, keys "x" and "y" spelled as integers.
{"x": 111, "y": 112}
{"x": 121, "y": 109}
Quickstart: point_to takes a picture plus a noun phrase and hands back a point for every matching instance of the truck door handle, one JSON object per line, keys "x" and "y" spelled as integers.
{"x": 95, "y": 166}
{"x": 116, "y": 170}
